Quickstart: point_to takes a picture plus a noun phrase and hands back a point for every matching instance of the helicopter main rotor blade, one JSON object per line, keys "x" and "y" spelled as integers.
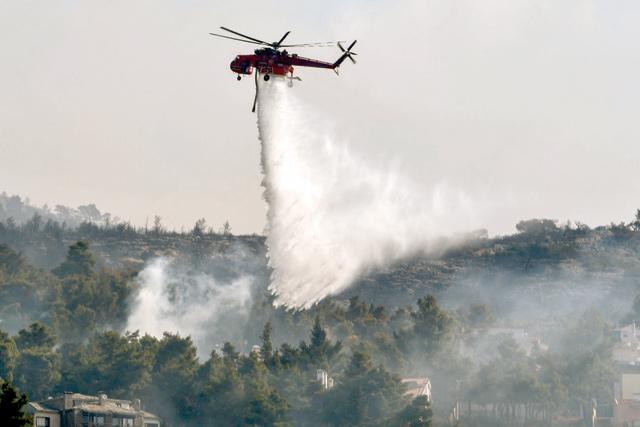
{"x": 277, "y": 44}
{"x": 318, "y": 44}
{"x": 233, "y": 38}
{"x": 351, "y": 45}
{"x": 246, "y": 37}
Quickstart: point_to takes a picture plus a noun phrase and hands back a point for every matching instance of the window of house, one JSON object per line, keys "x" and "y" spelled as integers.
{"x": 43, "y": 422}
{"x": 121, "y": 421}
{"x": 151, "y": 425}
{"x": 92, "y": 419}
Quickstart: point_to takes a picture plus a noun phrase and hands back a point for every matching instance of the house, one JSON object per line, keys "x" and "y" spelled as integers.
{"x": 417, "y": 387}
{"x": 626, "y": 350}
{"x": 626, "y": 411}
{"x": 79, "y": 410}
{"x": 626, "y": 353}
{"x": 627, "y": 333}
{"x": 43, "y": 416}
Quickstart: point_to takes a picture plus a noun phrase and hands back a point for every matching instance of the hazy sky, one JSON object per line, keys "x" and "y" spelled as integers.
{"x": 531, "y": 108}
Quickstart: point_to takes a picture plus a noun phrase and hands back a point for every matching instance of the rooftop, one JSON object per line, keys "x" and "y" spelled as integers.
{"x": 100, "y": 404}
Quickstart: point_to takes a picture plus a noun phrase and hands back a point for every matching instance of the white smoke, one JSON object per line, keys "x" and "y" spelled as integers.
{"x": 173, "y": 299}
{"x": 329, "y": 215}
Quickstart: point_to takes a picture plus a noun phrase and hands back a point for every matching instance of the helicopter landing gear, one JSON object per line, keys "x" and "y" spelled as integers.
{"x": 238, "y": 78}
{"x": 291, "y": 79}
{"x": 266, "y": 77}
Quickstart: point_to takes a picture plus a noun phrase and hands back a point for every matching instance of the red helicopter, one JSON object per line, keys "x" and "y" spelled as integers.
{"x": 271, "y": 60}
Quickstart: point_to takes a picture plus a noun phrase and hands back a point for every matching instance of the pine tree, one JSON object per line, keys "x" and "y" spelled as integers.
{"x": 417, "y": 414}
{"x": 11, "y": 413}
{"x": 10, "y": 261}
{"x": 79, "y": 261}
{"x": 432, "y": 323}
{"x": 320, "y": 351}
{"x": 635, "y": 224}
{"x": 8, "y": 355}
{"x": 38, "y": 335}
{"x": 266, "y": 350}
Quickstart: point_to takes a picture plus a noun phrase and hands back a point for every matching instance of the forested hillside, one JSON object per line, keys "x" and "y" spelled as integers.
{"x": 68, "y": 296}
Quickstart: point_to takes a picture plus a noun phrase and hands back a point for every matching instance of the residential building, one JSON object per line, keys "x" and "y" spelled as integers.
{"x": 79, "y": 410}
{"x": 626, "y": 351}
{"x": 417, "y": 387}
{"x": 43, "y": 416}
{"x": 626, "y": 411}
{"x": 627, "y": 333}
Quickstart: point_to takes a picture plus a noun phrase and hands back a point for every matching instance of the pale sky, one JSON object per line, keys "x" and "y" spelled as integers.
{"x": 531, "y": 108}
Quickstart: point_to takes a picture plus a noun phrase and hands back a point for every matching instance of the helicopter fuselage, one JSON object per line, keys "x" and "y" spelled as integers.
{"x": 272, "y": 61}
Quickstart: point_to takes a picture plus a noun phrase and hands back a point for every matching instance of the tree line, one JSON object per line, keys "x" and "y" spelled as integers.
{"x": 69, "y": 336}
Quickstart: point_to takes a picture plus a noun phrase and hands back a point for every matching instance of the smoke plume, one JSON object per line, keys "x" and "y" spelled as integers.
{"x": 330, "y": 216}
{"x": 174, "y": 298}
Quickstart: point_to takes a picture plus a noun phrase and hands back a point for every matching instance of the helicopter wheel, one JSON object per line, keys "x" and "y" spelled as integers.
{"x": 238, "y": 78}
{"x": 266, "y": 77}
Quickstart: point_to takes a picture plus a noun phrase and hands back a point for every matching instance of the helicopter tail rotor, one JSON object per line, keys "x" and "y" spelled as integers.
{"x": 346, "y": 53}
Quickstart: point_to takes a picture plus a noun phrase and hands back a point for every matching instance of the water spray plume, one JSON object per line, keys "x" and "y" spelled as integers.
{"x": 329, "y": 215}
